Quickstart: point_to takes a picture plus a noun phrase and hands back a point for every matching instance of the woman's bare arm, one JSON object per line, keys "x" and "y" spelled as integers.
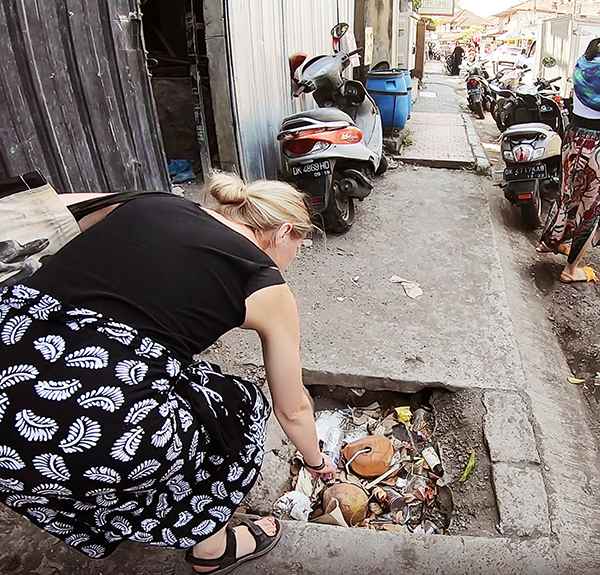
{"x": 273, "y": 314}
{"x": 88, "y": 221}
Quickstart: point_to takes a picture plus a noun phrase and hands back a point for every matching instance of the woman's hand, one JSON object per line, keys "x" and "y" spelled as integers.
{"x": 327, "y": 472}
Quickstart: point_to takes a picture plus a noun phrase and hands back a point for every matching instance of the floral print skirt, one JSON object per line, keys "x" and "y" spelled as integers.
{"x": 106, "y": 436}
{"x": 574, "y": 217}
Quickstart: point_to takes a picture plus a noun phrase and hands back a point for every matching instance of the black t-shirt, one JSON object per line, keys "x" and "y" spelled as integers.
{"x": 163, "y": 265}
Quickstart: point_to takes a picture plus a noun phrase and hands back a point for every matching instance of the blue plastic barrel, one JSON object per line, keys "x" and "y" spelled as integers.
{"x": 388, "y": 89}
{"x": 409, "y": 84}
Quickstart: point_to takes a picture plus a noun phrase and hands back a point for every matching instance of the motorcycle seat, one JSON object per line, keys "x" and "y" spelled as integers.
{"x": 501, "y": 91}
{"x": 529, "y": 127}
{"x": 320, "y": 115}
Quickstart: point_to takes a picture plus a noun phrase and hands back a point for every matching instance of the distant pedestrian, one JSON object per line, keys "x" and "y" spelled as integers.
{"x": 457, "y": 58}
{"x": 574, "y": 217}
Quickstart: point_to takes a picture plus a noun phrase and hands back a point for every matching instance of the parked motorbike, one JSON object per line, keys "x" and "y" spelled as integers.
{"x": 333, "y": 152}
{"x": 524, "y": 104}
{"x": 503, "y": 87}
{"x": 448, "y": 63}
{"x": 531, "y": 148}
{"x": 479, "y": 94}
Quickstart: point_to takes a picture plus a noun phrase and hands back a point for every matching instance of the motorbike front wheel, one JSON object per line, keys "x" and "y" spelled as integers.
{"x": 383, "y": 166}
{"x": 339, "y": 214}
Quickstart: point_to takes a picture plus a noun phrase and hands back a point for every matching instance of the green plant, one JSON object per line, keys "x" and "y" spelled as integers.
{"x": 416, "y": 4}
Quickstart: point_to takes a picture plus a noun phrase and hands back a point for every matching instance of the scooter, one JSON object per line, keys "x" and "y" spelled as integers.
{"x": 332, "y": 152}
{"x": 503, "y": 87}
{"x": 448, "y": 62}
{"x": 479, "y": 94}
{"x": 532, "y": 154}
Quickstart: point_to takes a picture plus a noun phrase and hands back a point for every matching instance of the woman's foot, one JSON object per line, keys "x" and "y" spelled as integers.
{"x": 246, "y": 543}
{"x": 575, "y": 275}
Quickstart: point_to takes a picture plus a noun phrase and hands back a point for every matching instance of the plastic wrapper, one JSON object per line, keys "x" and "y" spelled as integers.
{"x": 292, "y": 505}
{"x": 331, "y": 427}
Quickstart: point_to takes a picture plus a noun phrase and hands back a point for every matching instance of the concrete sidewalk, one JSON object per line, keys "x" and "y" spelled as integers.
{"x": 441, "y": 134}
{"x": 430, "y": 226}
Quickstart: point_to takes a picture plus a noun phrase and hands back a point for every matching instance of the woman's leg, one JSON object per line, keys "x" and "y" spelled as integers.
{"x": 556, "y": 230}
{"x": 214, "y": 546}
{"x": 574, "y": 270}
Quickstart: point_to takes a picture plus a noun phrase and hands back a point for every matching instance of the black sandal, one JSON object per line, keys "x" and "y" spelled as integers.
{"x": 228, "y": 562}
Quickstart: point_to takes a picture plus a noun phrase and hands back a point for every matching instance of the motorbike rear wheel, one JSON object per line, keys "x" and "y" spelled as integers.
{"x": 478, "y": 110}
{"x": 339, "y": 214}
{"x": 531, "y": 214}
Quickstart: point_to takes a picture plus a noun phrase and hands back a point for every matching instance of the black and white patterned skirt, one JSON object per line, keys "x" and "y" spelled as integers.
{"x": 105, "y": 436}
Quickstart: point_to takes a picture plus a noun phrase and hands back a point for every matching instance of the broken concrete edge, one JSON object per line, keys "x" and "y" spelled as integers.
{"x": 371, "y": 382}
{"x": 508, "y": 422}
{"x": 393, "y": 144}
{"x": 521, "y": 499}
{"x": 482, "y": 162}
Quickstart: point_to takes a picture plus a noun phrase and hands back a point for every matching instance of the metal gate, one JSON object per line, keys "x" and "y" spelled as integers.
{"x": 262, "y": 34}
{"x": 75, "y": 97}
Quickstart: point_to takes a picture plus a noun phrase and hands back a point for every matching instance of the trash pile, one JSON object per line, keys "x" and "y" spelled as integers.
{"x": 389, "y": 475}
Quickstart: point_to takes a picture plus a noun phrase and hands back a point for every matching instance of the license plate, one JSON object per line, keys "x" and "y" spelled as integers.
{"x": 525, "y": 172}
{"x": 313, "y": 169}
{"x": 474, "y": 92}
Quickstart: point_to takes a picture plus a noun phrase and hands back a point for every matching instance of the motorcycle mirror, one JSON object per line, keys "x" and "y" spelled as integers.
{"x": 548, "y": 62}
{"x": 339, "y": 30}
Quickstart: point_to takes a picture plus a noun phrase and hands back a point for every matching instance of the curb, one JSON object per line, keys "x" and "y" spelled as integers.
{"x": 482, "y": 164}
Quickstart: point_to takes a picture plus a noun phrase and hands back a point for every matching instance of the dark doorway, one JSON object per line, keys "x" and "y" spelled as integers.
{"x": 175, "y": 41}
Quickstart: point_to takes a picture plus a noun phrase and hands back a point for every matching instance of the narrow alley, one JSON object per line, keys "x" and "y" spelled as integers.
{"x": 478, "y": 341}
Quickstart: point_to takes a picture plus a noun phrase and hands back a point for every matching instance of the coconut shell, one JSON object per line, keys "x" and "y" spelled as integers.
{"x": 352, "y": 499}
{"x": 371, "y": 464}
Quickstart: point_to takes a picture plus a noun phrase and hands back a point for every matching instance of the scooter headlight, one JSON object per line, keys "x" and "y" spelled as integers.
{"x": 508, "y": 155}
{"x": 538, "y": 153}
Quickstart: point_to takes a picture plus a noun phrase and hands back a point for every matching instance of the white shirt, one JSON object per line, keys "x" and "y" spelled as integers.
{"x": 581, "y": 110}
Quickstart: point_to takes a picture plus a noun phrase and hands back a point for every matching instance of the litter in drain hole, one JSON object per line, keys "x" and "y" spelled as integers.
{"x": 389, "y": 476}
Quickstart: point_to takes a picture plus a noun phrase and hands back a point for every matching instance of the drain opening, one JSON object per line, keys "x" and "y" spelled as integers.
{"x": 390, "y": 476}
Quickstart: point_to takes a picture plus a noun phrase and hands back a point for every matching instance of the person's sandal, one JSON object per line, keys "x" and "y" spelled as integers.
{"x": 589, "y": 276}
{"x": 228, "y": 561}
{"x": 564, "y": 249}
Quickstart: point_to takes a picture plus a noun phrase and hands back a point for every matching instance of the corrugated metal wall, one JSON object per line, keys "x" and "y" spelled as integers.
{"x": 75, "y": 97}
{"x": 262, "y": 34}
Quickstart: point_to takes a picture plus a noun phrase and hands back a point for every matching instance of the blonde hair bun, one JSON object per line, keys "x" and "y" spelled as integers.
{"x": 262, "y": 205}
{"x": 228, "y": 189}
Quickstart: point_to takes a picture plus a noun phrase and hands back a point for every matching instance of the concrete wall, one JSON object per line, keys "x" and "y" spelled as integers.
{"x": 378, "y": 15}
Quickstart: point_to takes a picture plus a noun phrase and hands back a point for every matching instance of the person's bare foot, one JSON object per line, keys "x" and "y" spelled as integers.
{"x": 246, "y": 543}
